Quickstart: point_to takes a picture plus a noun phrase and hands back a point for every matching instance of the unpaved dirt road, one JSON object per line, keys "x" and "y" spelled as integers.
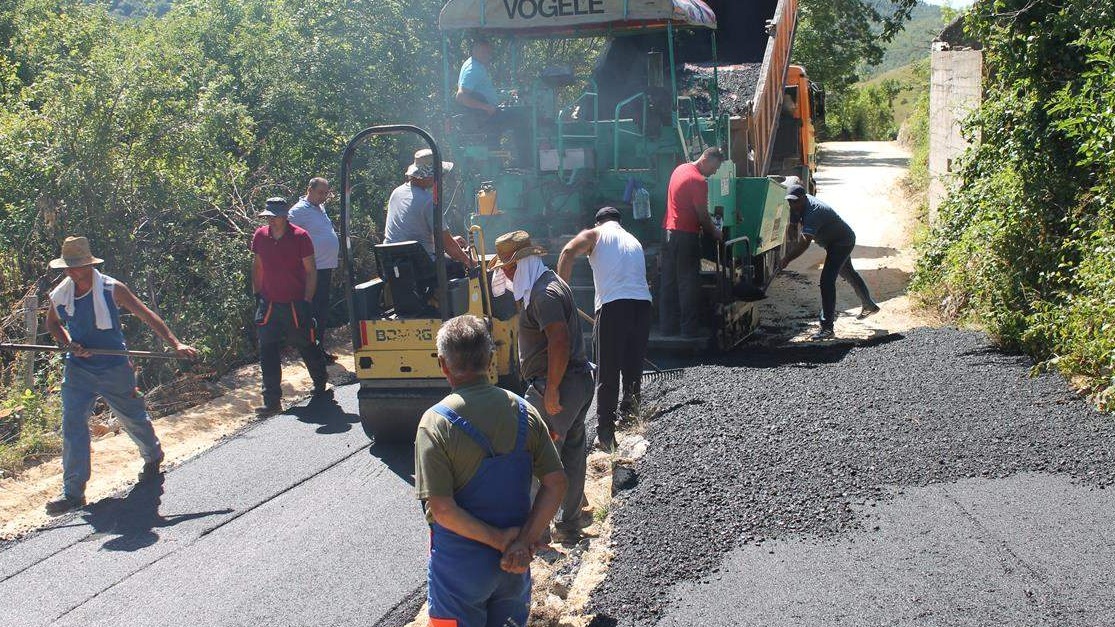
{"x": 910, "y": 476}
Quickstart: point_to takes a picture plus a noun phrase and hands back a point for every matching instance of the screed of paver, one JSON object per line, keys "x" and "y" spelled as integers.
{"x": 1032, "y": 549}
{"x": 116, "y": 463}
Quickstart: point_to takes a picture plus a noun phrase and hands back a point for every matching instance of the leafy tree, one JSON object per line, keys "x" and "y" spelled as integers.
{"x": 837, "y": 37}
{"x": 1026, "y": 243}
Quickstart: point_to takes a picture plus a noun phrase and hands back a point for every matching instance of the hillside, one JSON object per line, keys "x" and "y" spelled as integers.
{"x": 911, "y": 80}
{"x": 912, "y": 43}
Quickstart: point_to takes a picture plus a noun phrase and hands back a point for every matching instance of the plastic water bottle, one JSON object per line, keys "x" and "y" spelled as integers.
{"x": 640, "y": 204}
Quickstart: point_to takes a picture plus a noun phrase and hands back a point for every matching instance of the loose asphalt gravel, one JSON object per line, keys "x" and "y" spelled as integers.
{"x": 798, "y": 442}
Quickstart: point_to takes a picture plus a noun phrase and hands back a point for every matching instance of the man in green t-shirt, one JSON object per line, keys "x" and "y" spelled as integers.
{"x": 474, "y": 457}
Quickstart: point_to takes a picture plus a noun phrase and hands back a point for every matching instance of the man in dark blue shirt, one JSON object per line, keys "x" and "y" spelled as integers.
{"x": 816, "y": 221}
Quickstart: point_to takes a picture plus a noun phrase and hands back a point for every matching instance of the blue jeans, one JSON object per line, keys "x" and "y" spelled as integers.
{"x": 80, "y": 389}
{"x": 838, "y": 262}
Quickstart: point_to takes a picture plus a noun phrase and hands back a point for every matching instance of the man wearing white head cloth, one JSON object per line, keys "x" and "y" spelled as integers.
{"x": 553, "y": 362}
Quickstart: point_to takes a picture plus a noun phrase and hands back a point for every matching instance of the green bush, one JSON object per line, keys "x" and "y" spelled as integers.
{"x": 1026, "y": 244}
{"x": 863, "y": 113}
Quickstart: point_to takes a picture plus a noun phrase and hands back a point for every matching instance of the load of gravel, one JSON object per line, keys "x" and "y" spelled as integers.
{"x": 737, "y": 85}
{"x": 777, "y": 442}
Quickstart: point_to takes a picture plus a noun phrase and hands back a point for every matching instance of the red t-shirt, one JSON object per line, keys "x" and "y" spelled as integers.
{"x": 284, "y": 276}
{"x": 688, "y": 190}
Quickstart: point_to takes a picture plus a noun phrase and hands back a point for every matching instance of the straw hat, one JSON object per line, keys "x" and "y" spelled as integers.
{"x": 423, "y": 166}
{"x": 513, "y": 246}
{"x": 75, "y": 254}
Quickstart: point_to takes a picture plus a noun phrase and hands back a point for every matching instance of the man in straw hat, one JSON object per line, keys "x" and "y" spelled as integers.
{"x": 284, "y": 277}
{"x": 84, "y": 314}
{"x": 553, "y": 361}
{"x": 410, "y": 211}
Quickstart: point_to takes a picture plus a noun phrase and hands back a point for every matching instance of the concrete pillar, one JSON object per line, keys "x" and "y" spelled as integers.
{"x": 956, "y": 88}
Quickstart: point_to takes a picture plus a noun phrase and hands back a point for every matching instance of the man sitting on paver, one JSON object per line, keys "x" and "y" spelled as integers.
{"x": 284, "y": 277}
{"x": 816, "y": 221}
{"x": 553, "y": 362}
{"x": 84, "y": 314}
{"x": 474, "y": 456}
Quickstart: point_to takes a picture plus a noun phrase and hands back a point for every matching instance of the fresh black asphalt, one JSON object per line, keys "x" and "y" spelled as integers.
{"x": 296, "y": 521}
{"x": 921, "y": 479}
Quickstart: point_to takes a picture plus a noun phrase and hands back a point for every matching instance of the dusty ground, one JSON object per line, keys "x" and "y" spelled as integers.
{"x": 184, "y": 435}
{"x": 861, "y": 180}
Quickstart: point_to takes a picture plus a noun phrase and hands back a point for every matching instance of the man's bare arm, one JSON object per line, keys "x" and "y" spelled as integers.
{"x": 257, "y": 274}
{"x": 706, "y": 224}
{"x": 126, "y": 299}
{"x": 311, "y": 277}
{"x": 558, "y": 350}
{"x": 454, "y": 250}
{"x": 799, "y": 243}
{"x": 469, "y": 99}
{"x": 582, "y": 244}
{"x": 448, "y": 514}
{"x": 516, "y": 558}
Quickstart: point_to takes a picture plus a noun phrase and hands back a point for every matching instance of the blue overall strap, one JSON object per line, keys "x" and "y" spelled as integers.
{"x": 466, "y": 426}
{"x": 521, "y": 436}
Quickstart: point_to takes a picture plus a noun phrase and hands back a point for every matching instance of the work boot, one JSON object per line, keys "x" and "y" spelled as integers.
{"x": 269, "y": 408}
{"x": 867, "y": 311}
{"x": 824, "y": 334}
{"x": 62, "y": 504}
{"x": 151, "y": 470}
{"x": 606, "y": 441}
{"x": 322, "y": 393}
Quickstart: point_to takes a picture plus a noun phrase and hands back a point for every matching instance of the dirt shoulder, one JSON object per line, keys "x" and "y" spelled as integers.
{"x": 184, "y": 435}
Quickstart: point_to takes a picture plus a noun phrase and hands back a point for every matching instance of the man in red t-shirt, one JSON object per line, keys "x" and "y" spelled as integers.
{"x": 284, "y": 277}
{"x": 679, "y": 293}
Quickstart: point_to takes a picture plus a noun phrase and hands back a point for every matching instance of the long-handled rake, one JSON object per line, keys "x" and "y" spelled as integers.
{"x": 656, "y": 373}
{"x": 45, "y": 348}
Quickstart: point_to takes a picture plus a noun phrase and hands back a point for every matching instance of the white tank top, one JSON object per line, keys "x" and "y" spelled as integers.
{"x": 619, "y": 269}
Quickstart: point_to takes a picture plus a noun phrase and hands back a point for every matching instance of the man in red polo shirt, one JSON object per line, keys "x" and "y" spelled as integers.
{"x": 679, "y": 295}
{"x": 284, "y": 277}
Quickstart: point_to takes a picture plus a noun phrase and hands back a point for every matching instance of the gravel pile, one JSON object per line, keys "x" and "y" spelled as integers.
{"x": 737, "y": 86}
{"x": 785, "y": 441}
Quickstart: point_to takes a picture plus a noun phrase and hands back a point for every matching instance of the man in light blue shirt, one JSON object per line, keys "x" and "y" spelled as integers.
{"x": 309, "y": 214}
{"x": 478, "y": 95}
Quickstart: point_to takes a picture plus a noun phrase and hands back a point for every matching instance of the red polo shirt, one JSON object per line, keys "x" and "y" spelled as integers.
{"x": 688, "y": 190}
{"x": 284, "y": 276}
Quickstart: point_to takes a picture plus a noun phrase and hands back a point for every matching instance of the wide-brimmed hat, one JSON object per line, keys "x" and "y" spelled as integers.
{"x": 75, "y": 254}
{"x": 423, "y": 166}
{"x": 513, "y": 246}
{"x": 277, "y": 207}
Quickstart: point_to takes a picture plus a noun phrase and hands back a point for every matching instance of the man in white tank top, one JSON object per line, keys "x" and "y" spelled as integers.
{"x": 623, "y": 309}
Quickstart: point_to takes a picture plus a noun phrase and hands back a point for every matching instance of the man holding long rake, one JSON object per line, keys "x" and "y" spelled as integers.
{"x": 84, "y": 318}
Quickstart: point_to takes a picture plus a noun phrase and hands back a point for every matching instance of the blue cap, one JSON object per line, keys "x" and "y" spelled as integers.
{"x": 795, "y": 192}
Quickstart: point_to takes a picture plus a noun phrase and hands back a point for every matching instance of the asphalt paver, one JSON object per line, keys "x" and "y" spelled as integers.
{"x": 297, "y": 520}
{"x": 767, "y": 466}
